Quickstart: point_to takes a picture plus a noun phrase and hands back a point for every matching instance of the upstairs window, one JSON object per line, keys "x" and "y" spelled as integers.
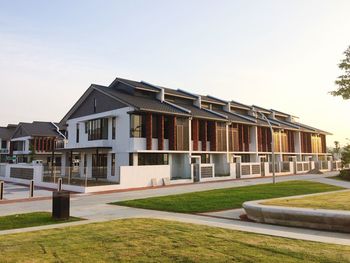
{"x": 154, "y": 126}
{"x": 3, "y": 144}
{"x": 97, "y": 129}
{"x": 166, "y": 127}
{"x": 114, "y": 127}
{"x": 77, "y": 133}
{"x": 137, "y": 126}
{"x": 18, "y": 145}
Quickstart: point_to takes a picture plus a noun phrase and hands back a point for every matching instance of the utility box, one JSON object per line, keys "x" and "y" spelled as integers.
{"x": 60, "y": 205}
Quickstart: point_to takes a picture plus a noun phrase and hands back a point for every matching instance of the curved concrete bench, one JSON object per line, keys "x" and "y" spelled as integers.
{"x": 332, "y": 220}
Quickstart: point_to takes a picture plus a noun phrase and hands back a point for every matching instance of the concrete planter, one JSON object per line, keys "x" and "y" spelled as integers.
{"x": 322, "y": 219}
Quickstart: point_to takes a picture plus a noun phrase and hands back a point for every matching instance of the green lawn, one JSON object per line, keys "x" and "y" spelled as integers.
{"x": 334, "y": 201}
{"x": 227, "y": 198}
{"x": 29, "y": 220}
{"x": 147, "y": 240}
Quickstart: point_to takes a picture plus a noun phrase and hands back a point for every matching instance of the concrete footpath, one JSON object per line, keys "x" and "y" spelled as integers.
{"x": 93, "y": 207}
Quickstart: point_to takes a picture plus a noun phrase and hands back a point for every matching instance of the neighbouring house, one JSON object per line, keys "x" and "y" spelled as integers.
{"x": 5, "y": 138}
{"x": 136, "y": 134}
{"x": 36, "y": 141}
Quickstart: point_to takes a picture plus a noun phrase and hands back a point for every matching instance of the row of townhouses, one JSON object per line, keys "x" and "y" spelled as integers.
{"x": 134, "y": 134}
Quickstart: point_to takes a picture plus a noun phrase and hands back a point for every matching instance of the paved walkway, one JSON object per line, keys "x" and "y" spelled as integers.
{"x": 333, "y": 182}
{"x": 14, "y": 191}
{"x": 226, "y": 214}
{"x": 94, "y": 208}
{"x": 92, "y": 199}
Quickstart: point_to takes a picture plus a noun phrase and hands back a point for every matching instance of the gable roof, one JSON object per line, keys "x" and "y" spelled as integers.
{"x": 135, "y": 84}
{"x": 36, "y": 128}
{"x": 141, "y": 103}
{"x": 7, "y": 132}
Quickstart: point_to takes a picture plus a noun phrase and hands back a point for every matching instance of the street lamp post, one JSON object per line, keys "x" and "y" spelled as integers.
{"x": 272, "y": 147}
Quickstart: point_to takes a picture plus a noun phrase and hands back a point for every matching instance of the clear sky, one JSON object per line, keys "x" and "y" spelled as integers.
{"x": 276, "y": 54}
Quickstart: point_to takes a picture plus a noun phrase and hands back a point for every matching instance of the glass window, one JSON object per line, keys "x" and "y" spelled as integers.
{"x": 154, "y": 126}
{"x": 137, "y": 125}
{"x": 77, "y": 135}
{"x": 3, "y": 144}
{"x": 97, "y": 129}
{"x": 205, "y": 157}
{"x": 245, "y": 158}
{"x": 166, "y": 127}
{"x": 152, "y": 159}
{"x": 114, "y": 127}
{"x": 18, "y": 146}
{"x": 131, "y": 159}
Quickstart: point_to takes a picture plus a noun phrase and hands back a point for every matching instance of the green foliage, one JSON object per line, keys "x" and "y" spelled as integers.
{"x": 345, "y": 175}
{"x": 343, "y": 81}
{"x": 32, "y": 151}
{"x": 346, "y": 155}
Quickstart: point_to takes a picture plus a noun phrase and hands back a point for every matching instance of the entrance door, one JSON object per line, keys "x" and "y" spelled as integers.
{"x": 99, "y": 165}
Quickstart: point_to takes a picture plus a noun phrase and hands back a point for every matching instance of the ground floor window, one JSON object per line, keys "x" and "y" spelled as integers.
{"x": 153, "y": 159}
{"x": 205, "y": 157}
{"x": 245, "y": 158}
{"x": 287, "y": 158}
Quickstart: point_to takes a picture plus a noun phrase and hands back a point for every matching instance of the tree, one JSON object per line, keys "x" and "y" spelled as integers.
{"x": 336, "y": 150}
{"x": 32, "y": 151}
{"x": 336, "y": 147}
{"x": 343, "y": 81}
{"x": 345, "y": 156}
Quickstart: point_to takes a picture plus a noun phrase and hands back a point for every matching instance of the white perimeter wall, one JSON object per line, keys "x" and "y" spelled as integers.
{"x": 141, "y": 176}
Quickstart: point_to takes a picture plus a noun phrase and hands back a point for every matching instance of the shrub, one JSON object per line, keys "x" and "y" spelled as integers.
{"x": 345, "y": 174}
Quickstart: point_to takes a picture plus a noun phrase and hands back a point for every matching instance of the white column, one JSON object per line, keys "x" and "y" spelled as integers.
{"x": 190, "y": 147}
{"x": 81, "y": 165}
{"x": 227, "y": 143}
{"x": 280, "y": 142}
{"x": 135, "y": 159}
{"x": 89, "y": 165}
{"x": 109, "y": 165}
{"x": 63, "y": 163}
{"x": 297, "y": 145}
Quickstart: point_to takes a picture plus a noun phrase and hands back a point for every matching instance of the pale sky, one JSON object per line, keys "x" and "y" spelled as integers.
{"x": 275, "y": 54}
